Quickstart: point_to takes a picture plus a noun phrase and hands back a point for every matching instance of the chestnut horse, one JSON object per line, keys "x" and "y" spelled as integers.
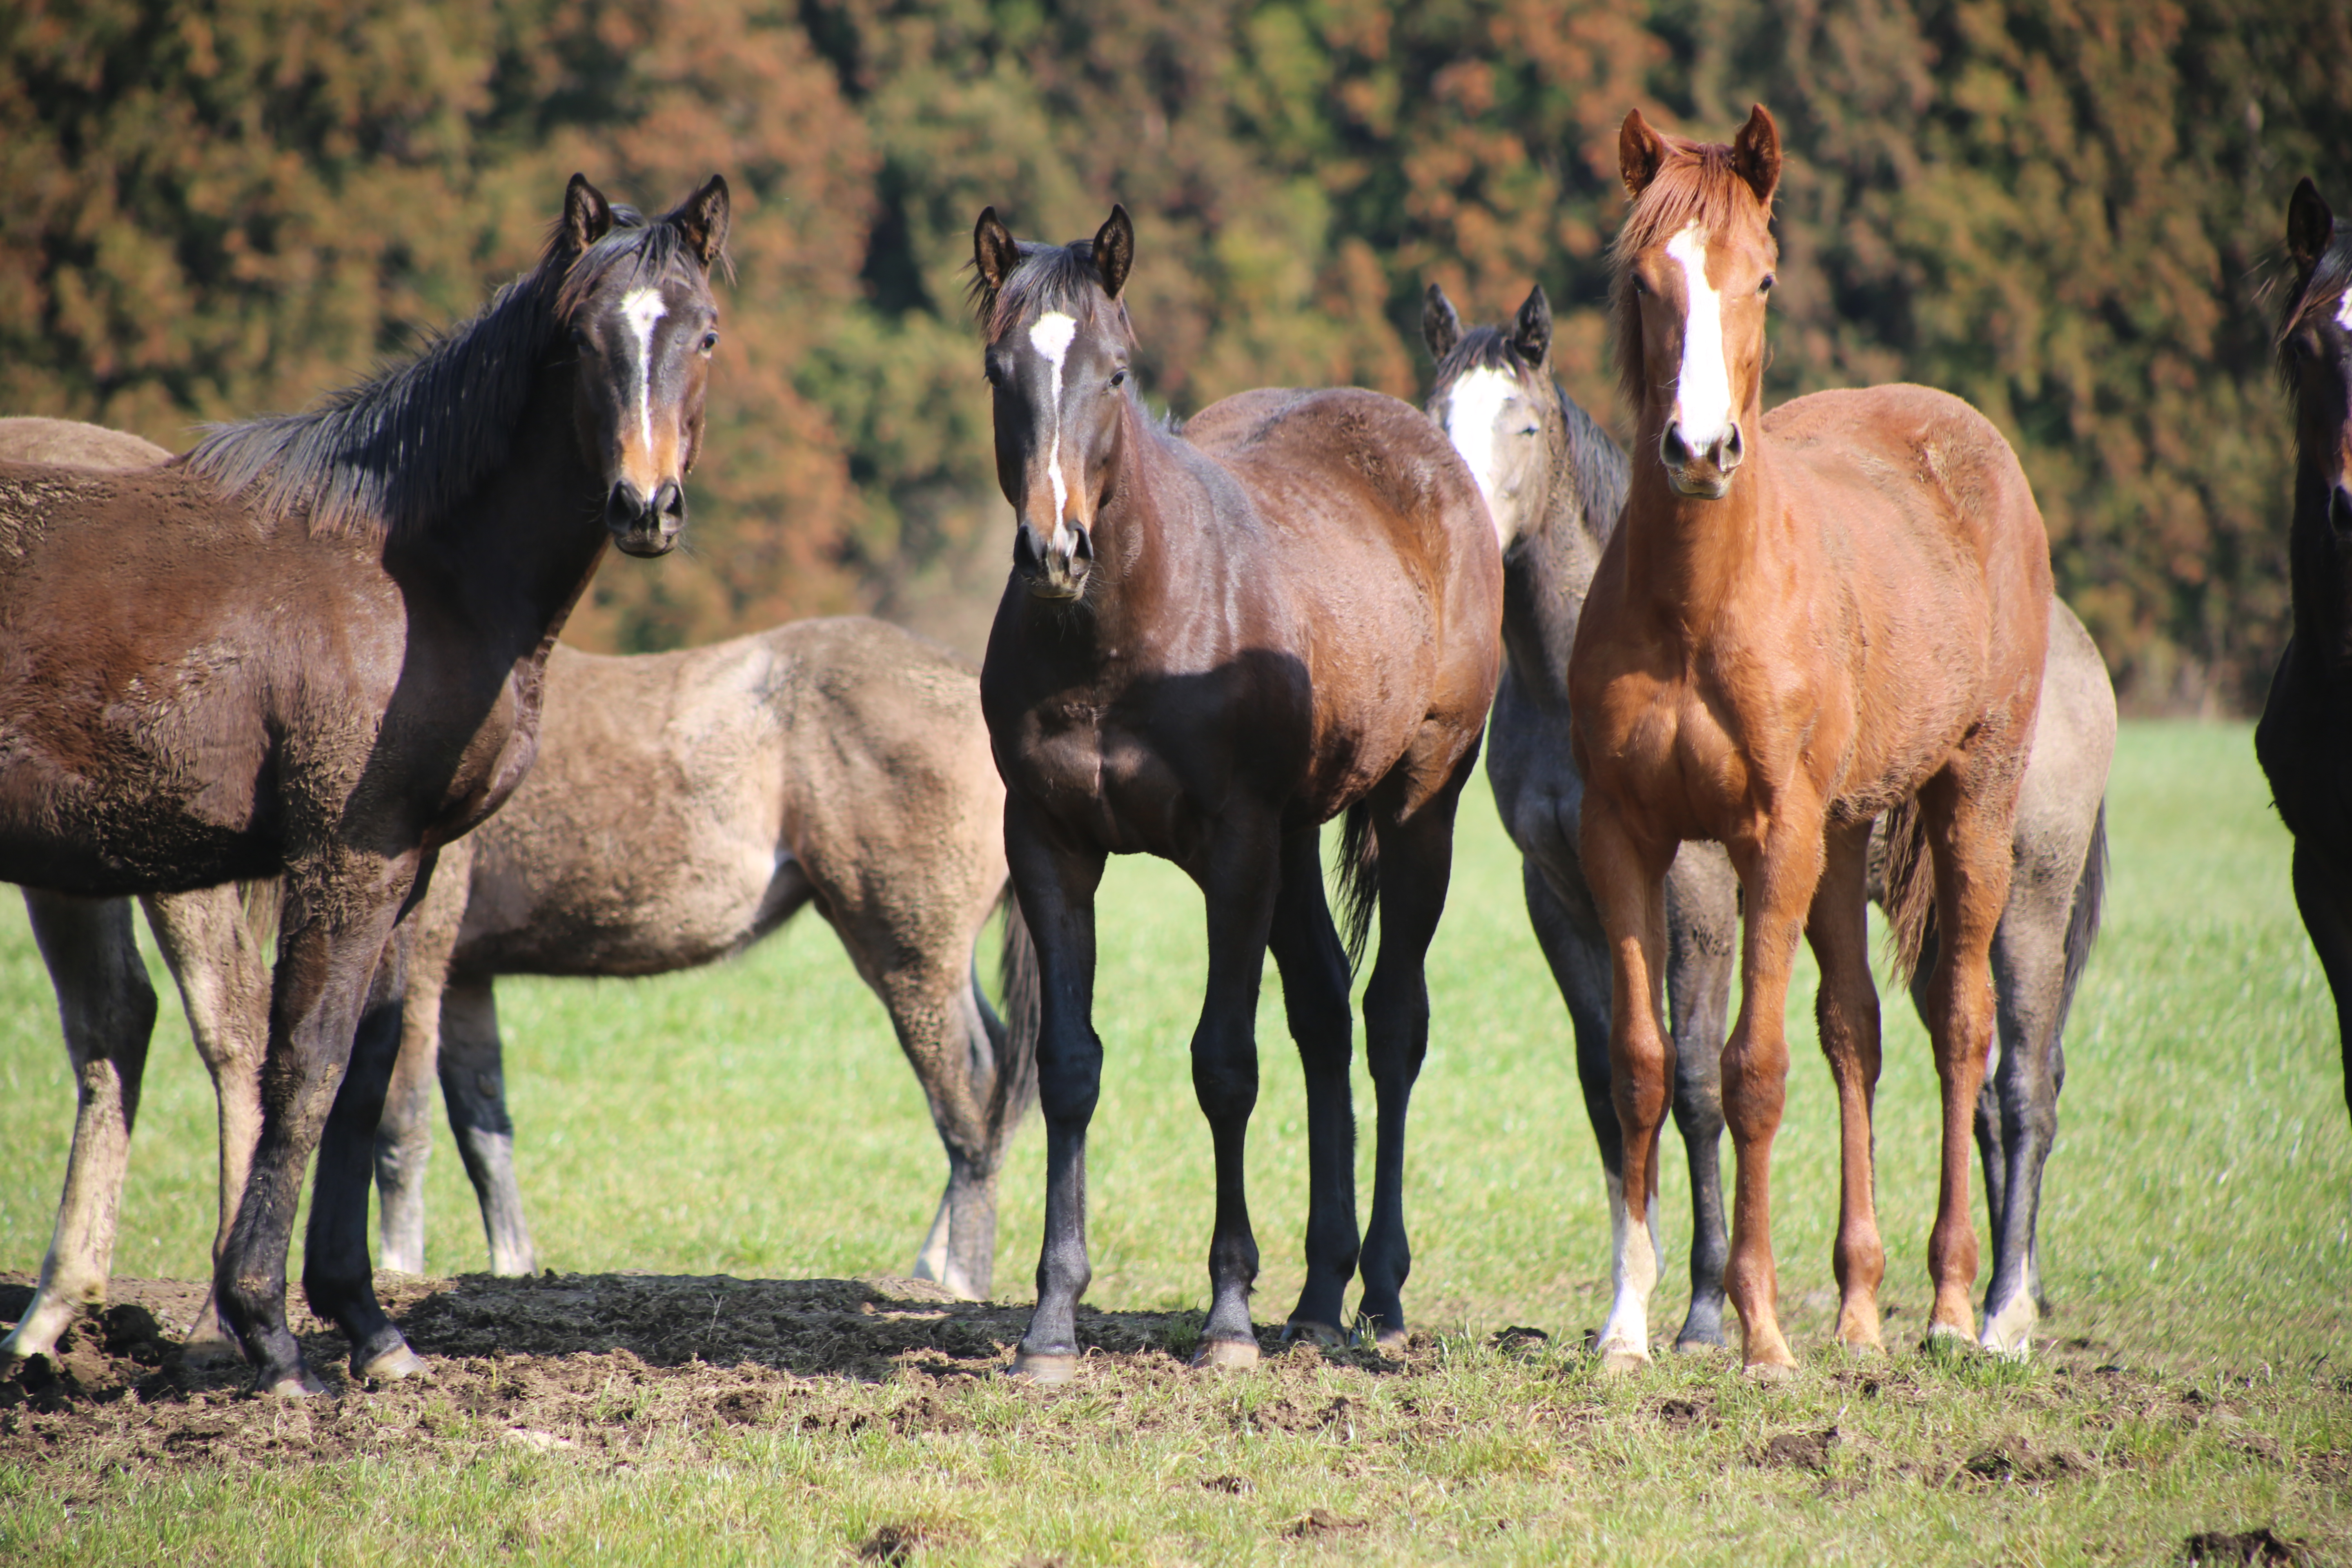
{"x": 1799, "y": 623}
{"x": 2305, "y": 739}
{"x": 1555, "y": 482}
{"x": 313, "y": 649}
{"x": 1211, "y": 644}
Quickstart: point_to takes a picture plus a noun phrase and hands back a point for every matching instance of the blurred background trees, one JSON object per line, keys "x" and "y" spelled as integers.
{"x": 2066, "y": 213}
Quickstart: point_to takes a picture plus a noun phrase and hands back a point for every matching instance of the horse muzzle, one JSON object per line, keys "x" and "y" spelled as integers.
{"x": 645, "y": 526}
{"x": 1702, "y": 474}
{"x": 1053, "y": 569}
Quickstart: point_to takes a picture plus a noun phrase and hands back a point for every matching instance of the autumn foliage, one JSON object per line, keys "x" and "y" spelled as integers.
{"x": 2064, "y": 212}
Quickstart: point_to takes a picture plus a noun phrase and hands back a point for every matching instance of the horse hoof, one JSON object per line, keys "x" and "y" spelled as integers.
{"x": 2009, "y": 1332}
{"x": 393, "y": 1364}
{"x": 1768, "y": 1371}
{"x": 1325, "y": 1334}
{"x": 210, "y": 1351}
{"x": 1947, "y": 1341}
{"x": 1700, "y": 1344}
{"x": 1393, "y": 1341}
{"x": 299, "y": 1384}
{"x": 1046, "y": 1370}
{"x": 1226, "y": 1355}
{"x": 1621, "y": 1358}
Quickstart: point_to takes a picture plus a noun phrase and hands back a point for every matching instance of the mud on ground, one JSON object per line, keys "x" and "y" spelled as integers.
{"x": 574, "y": 1363}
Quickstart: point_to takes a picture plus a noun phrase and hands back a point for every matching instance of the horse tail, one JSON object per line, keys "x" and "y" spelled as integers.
{"x": 1017, "y": 1056}
{"x": 1359, "y": 881}
{"x": 2083, "y": 923}
{"x": 1910, "y": 885}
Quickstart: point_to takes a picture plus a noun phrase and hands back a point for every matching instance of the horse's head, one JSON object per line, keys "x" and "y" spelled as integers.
{"x": 637, "y": 303}
{"x": 1694, "y": 263}
{"x": 2315, "y": 346}
{"x": 1059, "y": 348}
{"x": 1494, "y": 400}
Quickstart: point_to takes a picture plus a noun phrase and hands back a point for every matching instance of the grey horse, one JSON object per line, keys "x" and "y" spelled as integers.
{"x": 1554, "y": 483}
{"x": 682, "y": 806}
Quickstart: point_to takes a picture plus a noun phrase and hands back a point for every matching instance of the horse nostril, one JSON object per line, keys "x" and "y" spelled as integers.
{"x": 2339, "y": 508}
{"x": 625, "y": 504}
{"x": 1671, "y": 446}
{"x": 1732, "y": 448}
{"x": 670, "y": 501}
{"x": 1084, "y": 548}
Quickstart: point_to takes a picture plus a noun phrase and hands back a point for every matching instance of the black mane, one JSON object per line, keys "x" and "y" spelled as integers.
{"x": 1050, "y": 278}
{"x": 392, "y": 456}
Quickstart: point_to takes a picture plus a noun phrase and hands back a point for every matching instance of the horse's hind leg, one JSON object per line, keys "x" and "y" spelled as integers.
{"x": 2029, "y": 969}
{"x": 109, "y": 1011}
{"x": 1314, "y": 997}
{"x": 1969, "y": 832}
{"x": 208, "y": 939}
{"x": 403, "y": 1138}
{"x": 472, "y": 1064}
{"x": 1847, "y": 1010}
{"x": 1416, "y": 863}
{"x": 1702, "y": 943}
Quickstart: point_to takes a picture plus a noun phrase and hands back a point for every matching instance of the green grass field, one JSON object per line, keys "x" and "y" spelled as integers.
{"x": 755, "y": 1121}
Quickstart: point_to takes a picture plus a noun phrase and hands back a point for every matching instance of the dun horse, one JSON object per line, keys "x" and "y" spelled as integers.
{"x": 2305, "y": 739}
{"x": 1799, "y": 624}
{"x": 1555, "y": 481}
{"x": 682, "y": 806}
{"x": 318, "y": 657}
{"x": 1211, "y": 644}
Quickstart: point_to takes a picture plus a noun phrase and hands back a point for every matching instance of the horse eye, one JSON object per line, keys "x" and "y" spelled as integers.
{"x": 580, "y": 340}
{"x": 710, "y": 342}
{"x": 1765, "y": 286}
{"x": 1641, "y": 284}
{"x": 1118, "y": 377}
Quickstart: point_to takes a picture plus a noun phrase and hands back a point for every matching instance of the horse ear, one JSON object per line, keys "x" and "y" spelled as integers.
{"x": 1441, "y": 329}
{"x": 587, "y": 215}
{"x": 703, "y": 221}
{"x": 1531, "y": 333}
{"x": 994, "y": 252}
{"x": 1641, "y": 153}
{"x": 1115, "y": 249}
{"x": 2310, "y": 227}
{"x": 1756, "y": 154}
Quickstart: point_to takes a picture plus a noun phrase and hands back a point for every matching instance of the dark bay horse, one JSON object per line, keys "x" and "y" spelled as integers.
{"x": 1554, "y": 481}
{"x": 682, "y": 806}
{"x": 2305, "y": 739}
{"x": 1800, "y": 623}
{"x": 313, "y": 649}
{"x": 1211, "y": 644}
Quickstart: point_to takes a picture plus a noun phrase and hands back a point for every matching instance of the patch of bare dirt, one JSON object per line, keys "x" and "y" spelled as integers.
{"x": 2020, "y": 1459}
{"x": 2256, "y": 1547}
{"x": 1797, "y": 1450}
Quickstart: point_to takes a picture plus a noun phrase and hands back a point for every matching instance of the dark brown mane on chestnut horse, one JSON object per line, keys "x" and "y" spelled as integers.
{"x": 2305, "y": 739}
{"x": 314, "y": 650}
{"x": 1799, "y": 622}
{"x": 1211, "y": 645}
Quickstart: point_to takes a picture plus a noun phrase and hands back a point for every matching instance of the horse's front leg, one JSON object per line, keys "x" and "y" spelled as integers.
{"x": 1847, "y": 1010}
{"x": 336, "y": 923}
{"x": 1702, "y": 941}
{"x": 1778, "y": 878}
{"x": 403, "y": 1137}
{"x": 1056, "y": 881}
{"x": 1314, "y": 981}
{"x": 108, "y": 1009}
{"x": 208, "y": 939}
{"x": 1627, "y": 877}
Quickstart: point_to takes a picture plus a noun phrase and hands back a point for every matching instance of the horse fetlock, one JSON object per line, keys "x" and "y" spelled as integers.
{"x": 2008, "y": 1329}
{"x": 1858, "y": 1322}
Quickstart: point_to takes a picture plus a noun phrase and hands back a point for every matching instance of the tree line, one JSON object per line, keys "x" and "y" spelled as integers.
{"x": 2067, "y": 212}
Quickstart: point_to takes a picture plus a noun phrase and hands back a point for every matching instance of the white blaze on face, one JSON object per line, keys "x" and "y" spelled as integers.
{"x": 1474, "y": 417}
{"x": 641, "y": 307}
{"x": 1703, "y": 391}
{"x": 1051, "y": 338}
{"x": 2344, "y": 310}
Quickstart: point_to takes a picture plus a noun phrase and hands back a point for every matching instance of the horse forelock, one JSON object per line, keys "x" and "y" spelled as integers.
{"x": 1050, "y": 278}
{"x": 390, "y": 456}
{"x": 2326, "y": 294}
{"x": 1484, "y": 348}
{"x": 1697, "y": 185}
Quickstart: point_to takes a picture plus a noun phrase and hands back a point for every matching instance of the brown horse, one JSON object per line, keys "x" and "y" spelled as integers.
{"x": 1799, "y": 623}
{"x": 2305, "y": 739}
{"x": 1210, "y": 645}
{"x": 1556, "y": 482}
{"x": 682, "y": 806}
{"x": 312, "y": 648}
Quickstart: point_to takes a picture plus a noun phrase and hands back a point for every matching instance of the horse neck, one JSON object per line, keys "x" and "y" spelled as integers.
{"x": 1548, "y": 569}
{"x": 534, "y": 535}
{"x": 1688, "y": 557}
